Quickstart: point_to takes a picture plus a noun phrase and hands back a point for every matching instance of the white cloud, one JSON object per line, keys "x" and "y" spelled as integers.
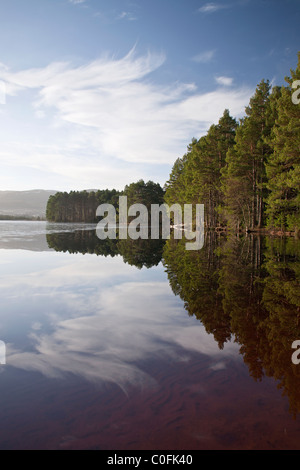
{"x": 204, "y": 57}
{"x": 76, "y": 2}
{"x": 105, "y": 120}
{"x": 127, "y": 15}
{"x": 224, "y": 81}
{"x": 211, "y": 7}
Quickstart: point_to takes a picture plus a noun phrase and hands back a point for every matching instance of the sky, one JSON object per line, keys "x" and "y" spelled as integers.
{"x": 97, "y": 94}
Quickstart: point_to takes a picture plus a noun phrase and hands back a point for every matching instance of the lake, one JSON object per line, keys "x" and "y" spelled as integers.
{"x": 143, "y": 345}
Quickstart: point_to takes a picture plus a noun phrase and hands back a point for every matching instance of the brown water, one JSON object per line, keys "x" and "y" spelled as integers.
{"x": 100, "y": 354}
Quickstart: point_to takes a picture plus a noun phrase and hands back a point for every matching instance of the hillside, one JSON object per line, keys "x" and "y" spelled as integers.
{"x": 24, "y": 203}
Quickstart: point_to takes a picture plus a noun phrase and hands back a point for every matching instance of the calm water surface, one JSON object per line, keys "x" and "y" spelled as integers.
{"x": 142, "y": 345}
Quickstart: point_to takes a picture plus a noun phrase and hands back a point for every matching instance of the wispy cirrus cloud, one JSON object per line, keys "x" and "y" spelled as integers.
{"x": 127, "y": 15}
{"x": 102, "y": 122}
{"x": 76, "y": 2}
{"x": 212, "y": 7}
{"x": 204, "y": 57}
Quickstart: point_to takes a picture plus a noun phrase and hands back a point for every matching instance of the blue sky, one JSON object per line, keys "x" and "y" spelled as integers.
{"x": 98, "y": 94}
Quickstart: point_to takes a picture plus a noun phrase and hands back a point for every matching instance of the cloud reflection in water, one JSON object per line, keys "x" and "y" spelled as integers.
{"x": 102, "y": 320}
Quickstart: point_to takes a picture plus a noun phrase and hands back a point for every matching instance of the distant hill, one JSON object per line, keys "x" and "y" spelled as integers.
{"x": 31, "y": 204}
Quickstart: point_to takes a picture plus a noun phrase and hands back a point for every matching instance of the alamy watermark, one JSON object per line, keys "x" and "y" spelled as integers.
{"x": 296, "y": 354}
{"x": 2, "y": 353}
{"x": 2, "y": 92}
{"x": 155, "y": 225}
{"x": 296, "y": 94}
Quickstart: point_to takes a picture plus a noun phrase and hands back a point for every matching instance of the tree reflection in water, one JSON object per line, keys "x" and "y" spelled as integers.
{"x": 242, "y": 288}
{"x": 247, "y": 289}
{"x": 139, "y": 253}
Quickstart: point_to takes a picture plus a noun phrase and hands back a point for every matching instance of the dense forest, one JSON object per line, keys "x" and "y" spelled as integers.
{"x": 78, "y": 206}
{"x": 81, "y": 206}
{"x": 246, "y": 173}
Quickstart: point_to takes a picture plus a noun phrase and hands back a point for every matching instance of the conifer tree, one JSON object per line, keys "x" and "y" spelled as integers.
{"x": 244, "y": 175}
{"x": 283, "y": 166}
{"x": 195, "y": 179}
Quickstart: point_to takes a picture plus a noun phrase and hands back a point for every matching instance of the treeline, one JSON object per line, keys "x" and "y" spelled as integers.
{"x": 81, "y": 206}
{"x": 78, "y": 206}
{"x": 246, "y": 173}
{"x": 26, "y": 218}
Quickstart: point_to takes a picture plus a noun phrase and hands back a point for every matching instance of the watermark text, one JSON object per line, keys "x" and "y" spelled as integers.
{"x": 2, "y": 353}
{"x": 2, "y": 92}
{"x": 296, "y": 94}
{"x": 135, "y": 222}
{"x": 296, "y": 354}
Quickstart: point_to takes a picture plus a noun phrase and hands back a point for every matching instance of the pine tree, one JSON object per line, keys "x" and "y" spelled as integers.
{"x": 244, "y": 175}
{"x": 174, "y": 186}
{"x": 195, "y": 179}
{"x": 283, "y": 166}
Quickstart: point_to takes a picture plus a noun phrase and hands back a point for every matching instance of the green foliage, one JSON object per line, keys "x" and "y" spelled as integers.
{"x": 81, "y": 206}
{"x": 195, "y": 179}
{"x": 283, "y": 167}
{"x": 78, "y": 206}
{"x": 246, "y": 174}
{"x": 144, "y": 193}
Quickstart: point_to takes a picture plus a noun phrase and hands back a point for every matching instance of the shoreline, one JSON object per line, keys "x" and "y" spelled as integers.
{"x": 258, "y": 231}
{"x": 220, "y": 230}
